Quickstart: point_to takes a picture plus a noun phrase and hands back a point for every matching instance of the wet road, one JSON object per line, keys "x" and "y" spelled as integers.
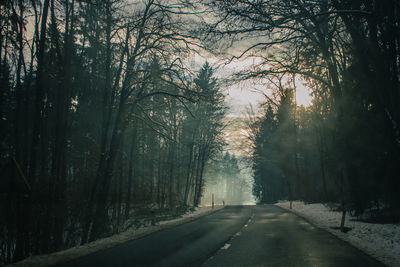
{"x": 235, "y": 236}
{"x": 275, "y": 237}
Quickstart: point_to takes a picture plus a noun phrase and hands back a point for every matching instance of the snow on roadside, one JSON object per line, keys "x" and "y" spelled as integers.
{"x": 130, "y": 234}
{"x": 381, "y": 241}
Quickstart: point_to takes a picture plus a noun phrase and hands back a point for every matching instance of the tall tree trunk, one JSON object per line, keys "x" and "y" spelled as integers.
{"x": 131, "y": 172}
{"x": 105, "y": 173}
{"x": 120, "y": 193}
{"x": 200, "y": 183}
{"x": 171, "y": 175}
{"x": 188, "y": 172}
{"x": 24, "y": 213}
{"x": 106, "y": 125}
{"x": 61, "y": 125}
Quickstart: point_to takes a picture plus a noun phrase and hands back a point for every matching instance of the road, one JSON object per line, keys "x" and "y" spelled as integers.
{"x": 235, "y": 236}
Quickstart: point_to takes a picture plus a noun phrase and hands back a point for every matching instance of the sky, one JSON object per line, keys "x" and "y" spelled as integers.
{"x": 240, "y": 95}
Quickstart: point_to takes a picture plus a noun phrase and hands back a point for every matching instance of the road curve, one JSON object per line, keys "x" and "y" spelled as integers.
{"x": 235, "y": 236}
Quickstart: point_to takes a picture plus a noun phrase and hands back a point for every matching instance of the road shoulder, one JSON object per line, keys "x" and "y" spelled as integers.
{"x": 366, "y": 246}
{"x": 108, "y": 242}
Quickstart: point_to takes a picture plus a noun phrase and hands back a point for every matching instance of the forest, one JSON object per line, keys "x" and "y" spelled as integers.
{"x": 103, "y": 120}
{"x": 343, "y": 149}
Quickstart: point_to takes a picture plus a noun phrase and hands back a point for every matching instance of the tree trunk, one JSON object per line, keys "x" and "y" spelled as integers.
{"x": 105, "y": 174}
{"x": 131, "y": 170}
{"x": 188, "y": 172}
{"x": 24, "y": 212}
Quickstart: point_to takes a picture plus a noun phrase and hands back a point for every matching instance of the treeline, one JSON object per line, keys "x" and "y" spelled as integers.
{"x": 288, "y": 149}
{"x": 100, "y": 119}
{"x": 345, "y": 148}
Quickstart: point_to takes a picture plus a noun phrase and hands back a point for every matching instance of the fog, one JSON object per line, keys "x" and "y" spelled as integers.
{"x": 228, "y": 181}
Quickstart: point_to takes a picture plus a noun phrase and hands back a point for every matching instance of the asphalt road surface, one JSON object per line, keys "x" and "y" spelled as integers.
{"x": 235, "y": 236}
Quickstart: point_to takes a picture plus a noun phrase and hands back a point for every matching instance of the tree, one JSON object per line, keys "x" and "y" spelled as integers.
{"x": 329, "y": 44}
{"x": 93, "y": 102}
{"x": 203, "y": 131}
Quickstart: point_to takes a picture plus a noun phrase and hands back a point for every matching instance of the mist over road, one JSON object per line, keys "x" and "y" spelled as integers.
{"x": 235, "y": 236}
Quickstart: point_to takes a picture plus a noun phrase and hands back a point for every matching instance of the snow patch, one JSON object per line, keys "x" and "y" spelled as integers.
{"x": 226, "y": 246}
{"x": 381, "y": 241}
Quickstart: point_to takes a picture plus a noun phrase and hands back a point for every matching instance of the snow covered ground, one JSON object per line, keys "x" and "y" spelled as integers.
{"x": 381, "y": 241}
{"x": 130, "y": 234}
